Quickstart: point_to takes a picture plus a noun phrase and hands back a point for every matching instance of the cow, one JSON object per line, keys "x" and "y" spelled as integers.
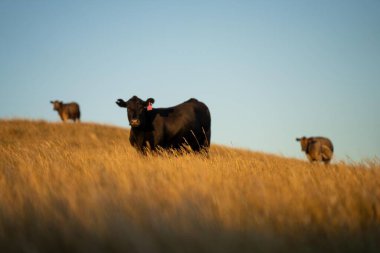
{"x": 67, "y": 111}
{"x": 184, "y": 126}
{"x": 317, "y": 149}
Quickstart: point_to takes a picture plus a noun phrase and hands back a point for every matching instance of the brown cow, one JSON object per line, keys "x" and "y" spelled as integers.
{"x": 319, "y": 149}
{"x": 67, "y": 111}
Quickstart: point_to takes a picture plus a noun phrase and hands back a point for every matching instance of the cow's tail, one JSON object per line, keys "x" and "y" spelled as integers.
{"x": 207, "y": 135}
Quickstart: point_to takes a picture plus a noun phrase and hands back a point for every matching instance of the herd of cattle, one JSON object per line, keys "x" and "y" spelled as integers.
{"x": 184, "y": 126}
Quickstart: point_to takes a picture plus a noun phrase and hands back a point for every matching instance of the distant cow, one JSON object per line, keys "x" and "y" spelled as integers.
{"x": 317, "y": 148}
{"x": 67, "y": 111}
{"x": 184, "y": 125}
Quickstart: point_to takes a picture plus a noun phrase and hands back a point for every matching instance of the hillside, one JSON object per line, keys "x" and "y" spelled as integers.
{"x": 83, "y": 188}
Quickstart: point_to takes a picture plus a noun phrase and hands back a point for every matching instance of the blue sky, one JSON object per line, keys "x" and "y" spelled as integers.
{"x": 270, "y": 71}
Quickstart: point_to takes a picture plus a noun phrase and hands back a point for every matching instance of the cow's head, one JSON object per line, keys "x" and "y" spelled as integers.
{"x": 304, "y": 142}
{"x": 56, "y": 104}
{"x": 136, "y": 109}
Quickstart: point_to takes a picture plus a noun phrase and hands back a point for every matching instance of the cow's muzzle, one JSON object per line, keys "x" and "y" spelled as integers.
{"x": 134, "y": 122}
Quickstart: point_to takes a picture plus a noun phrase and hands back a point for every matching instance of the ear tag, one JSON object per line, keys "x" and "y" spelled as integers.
{"x": 149, "y": 107}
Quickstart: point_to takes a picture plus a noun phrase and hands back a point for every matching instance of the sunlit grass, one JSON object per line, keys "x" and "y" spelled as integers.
{"x": 83, "y": 188}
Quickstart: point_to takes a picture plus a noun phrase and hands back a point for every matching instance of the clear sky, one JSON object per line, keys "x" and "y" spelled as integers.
{"x": 270, "y": 71}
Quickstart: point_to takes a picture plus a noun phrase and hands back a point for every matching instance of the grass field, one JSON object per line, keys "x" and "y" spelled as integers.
{"x": 83, "y": 188}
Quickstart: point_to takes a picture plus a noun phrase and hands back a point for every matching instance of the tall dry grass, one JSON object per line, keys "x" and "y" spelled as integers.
{"x": 83, "y": 188}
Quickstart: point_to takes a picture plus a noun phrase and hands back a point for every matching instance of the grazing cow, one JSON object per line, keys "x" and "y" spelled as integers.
{"x": 317, "y": 148}
{"x": 67, "y": 111}
{"x": 184, "y": 125}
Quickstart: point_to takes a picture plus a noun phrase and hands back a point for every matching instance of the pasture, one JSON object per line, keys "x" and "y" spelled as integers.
{"x": 83, "y": 188}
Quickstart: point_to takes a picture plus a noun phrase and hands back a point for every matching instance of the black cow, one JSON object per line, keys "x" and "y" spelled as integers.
{"x": 184, "y": 125}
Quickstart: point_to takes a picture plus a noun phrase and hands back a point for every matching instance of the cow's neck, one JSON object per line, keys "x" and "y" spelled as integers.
{"x": 140, "y": 129}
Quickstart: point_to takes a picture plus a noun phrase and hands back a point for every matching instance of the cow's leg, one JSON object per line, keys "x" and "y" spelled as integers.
{"x": 149, "y": 141}
{"x": 310, "y": 158}
{"x": 327, "y": 161}
{"x": 137, "y": 141}
{"x": 64, "y": 117}
{"x": 326, "y": 154}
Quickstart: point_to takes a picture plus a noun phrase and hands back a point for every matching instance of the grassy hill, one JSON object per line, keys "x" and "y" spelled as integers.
{"x": 83, "y": 188}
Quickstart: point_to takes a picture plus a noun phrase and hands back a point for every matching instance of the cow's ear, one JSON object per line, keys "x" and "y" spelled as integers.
{"x": 298, "y": 139}
{"x": 149, "y": 101}
{"x": 120, "y": 102}
{"x": 51, "y": 102}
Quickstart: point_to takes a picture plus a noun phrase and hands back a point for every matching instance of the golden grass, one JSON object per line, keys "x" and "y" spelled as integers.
{"x": 83, "y": 188}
